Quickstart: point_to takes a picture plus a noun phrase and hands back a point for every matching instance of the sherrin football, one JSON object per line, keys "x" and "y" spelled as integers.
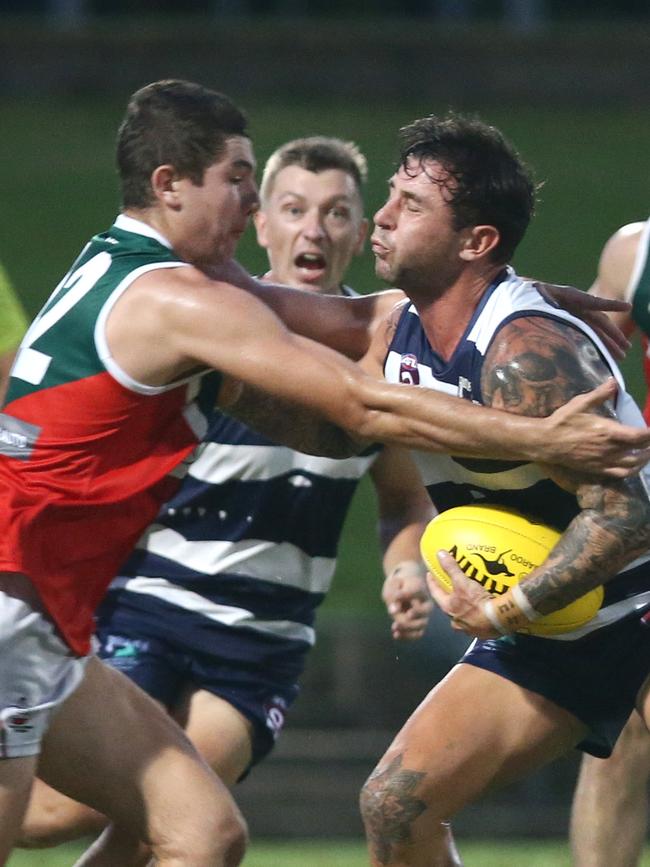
{"x": 498, "y": 547}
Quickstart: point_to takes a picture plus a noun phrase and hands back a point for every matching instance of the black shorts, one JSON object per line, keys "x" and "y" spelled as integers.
{"x": 597, "y": 678}
{"x": 164, "y": 668}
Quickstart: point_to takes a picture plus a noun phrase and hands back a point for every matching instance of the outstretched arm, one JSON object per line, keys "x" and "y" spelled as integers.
{"x": 534, "y": 366}
{"x": 342, "y": 323}
{"x": 593, "y": 309}
{"x": 170, "y": 322}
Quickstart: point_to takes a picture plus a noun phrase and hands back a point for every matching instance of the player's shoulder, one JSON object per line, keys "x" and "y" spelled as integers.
{"x": 390, "y": 300}
{"x": 180, "y": 283}
{"x": 623, "y": 244}
{"x": 618, "y": 259}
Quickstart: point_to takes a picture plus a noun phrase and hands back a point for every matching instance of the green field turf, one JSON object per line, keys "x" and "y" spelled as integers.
{"x": 528, "y": 853}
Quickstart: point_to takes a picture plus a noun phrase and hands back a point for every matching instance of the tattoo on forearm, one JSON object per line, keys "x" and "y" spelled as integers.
{"x": 534, "y": 366}
{"x": 611, "y": 530}
{"x": 292, "y": 425}
{"x": 509, "y": 615}
{"x": 390, "y": 808}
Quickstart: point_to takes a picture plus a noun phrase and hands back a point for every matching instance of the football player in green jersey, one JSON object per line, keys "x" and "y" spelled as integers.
{"x": 609, "y": 816}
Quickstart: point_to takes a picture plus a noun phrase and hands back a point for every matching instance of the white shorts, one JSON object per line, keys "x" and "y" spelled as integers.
{"x": 38, "y": 671}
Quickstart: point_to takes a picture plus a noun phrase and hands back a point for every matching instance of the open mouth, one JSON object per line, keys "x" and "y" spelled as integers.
{"x": 310, "y": 261}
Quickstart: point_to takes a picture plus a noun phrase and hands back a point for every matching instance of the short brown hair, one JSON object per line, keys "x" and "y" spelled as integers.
{"x": 176, "y": 122}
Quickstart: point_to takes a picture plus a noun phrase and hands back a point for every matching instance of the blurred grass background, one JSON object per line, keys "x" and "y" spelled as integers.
{"x": 531, "y": 853}
{"x": 59, "y": 187}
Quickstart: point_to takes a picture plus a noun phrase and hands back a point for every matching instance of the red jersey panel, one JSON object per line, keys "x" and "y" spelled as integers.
{"x": 75, "y": 513}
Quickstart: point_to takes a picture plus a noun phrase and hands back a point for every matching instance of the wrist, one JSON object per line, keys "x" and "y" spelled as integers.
{"x": 490, "y": 613}
{"x": 523, "y": 603}
{"x": 510, "y": 612}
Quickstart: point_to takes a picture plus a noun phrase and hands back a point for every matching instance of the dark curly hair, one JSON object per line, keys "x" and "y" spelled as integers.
{"x": 485, "y": 180}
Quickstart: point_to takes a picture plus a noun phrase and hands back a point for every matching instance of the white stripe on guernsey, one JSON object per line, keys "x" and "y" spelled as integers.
{"x": 277, "y": 563}
{"x": 446, "y": 469}
{"x": 101, "y": 343}
{"x": 228, "y": 615}
{"x": 31, "y": 365}
{"x": 221, "y": 462}
{"x": 639, "y": 262}
{"x": 607, "y": 616}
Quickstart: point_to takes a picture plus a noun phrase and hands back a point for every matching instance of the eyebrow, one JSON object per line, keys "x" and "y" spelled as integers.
{"x": 405, "y": 194}
{"x": 337, "y": 197}
{"x": 243, "y": 164}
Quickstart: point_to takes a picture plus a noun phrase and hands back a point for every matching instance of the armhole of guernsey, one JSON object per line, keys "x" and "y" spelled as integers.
{"x": 101, "y": 343}
{"x": 640, "y": 277}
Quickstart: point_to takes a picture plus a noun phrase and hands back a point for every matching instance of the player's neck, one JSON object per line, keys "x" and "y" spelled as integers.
{"x": 446, "y": 314}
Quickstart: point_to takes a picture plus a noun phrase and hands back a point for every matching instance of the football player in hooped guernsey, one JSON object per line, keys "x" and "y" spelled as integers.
{"x": 102, "y": 411}
{"x": 457, "y": 207}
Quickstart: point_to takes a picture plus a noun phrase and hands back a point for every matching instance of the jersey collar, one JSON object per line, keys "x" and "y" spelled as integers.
{"x": 137, "y": 227}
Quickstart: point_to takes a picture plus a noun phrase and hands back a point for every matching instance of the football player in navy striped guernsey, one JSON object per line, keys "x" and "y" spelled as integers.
{"x": 457, "y": 207}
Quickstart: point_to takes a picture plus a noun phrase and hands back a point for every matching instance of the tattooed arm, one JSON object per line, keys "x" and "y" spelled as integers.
{"x": 534, "y": 366}
{"x": 570, "y": 436}
{"x": 291, "y": 425}
{"x": 294, "y": 426}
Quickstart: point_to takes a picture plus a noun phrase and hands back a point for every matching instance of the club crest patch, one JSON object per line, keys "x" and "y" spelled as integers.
{"x": 408, "y": 370}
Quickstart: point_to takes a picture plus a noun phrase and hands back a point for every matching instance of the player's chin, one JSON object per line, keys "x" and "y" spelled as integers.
{"x": 382, "y": 271}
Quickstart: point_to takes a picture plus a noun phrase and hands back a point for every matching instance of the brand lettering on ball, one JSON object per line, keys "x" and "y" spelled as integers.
{"x": 522, "y": 561}
{"x": 491, "y": 568}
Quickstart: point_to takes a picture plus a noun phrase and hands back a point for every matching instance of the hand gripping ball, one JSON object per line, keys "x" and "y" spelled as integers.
{"x": 498, "y": 547}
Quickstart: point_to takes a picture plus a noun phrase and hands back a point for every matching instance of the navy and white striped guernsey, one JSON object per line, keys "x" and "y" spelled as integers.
{"x": 453, "y": 481}
{"x": 246, "y": 549}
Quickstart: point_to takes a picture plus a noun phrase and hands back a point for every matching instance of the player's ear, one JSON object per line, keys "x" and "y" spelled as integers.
{"x": 479, "y": 242}
{"x": 362, "y": 234}
{"x": 165, "y": 185}
{"x": 259, "y": 218}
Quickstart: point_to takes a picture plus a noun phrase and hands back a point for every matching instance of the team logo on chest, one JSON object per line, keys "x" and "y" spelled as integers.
{"x": 408, "y": 370}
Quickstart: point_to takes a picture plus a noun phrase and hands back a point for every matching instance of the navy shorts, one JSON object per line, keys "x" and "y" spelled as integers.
{"x": 164, "y": 668}
{"x": 596, "y": 678}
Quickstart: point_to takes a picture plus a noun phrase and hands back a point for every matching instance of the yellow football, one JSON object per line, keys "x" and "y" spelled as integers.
{"x": 498, "y": 547}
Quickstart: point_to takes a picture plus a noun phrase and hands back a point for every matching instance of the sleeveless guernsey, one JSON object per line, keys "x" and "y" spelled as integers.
{"x": 87, "y": 453}
{"x": 454, "y": 481}
{"x": 245, "y": 551}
